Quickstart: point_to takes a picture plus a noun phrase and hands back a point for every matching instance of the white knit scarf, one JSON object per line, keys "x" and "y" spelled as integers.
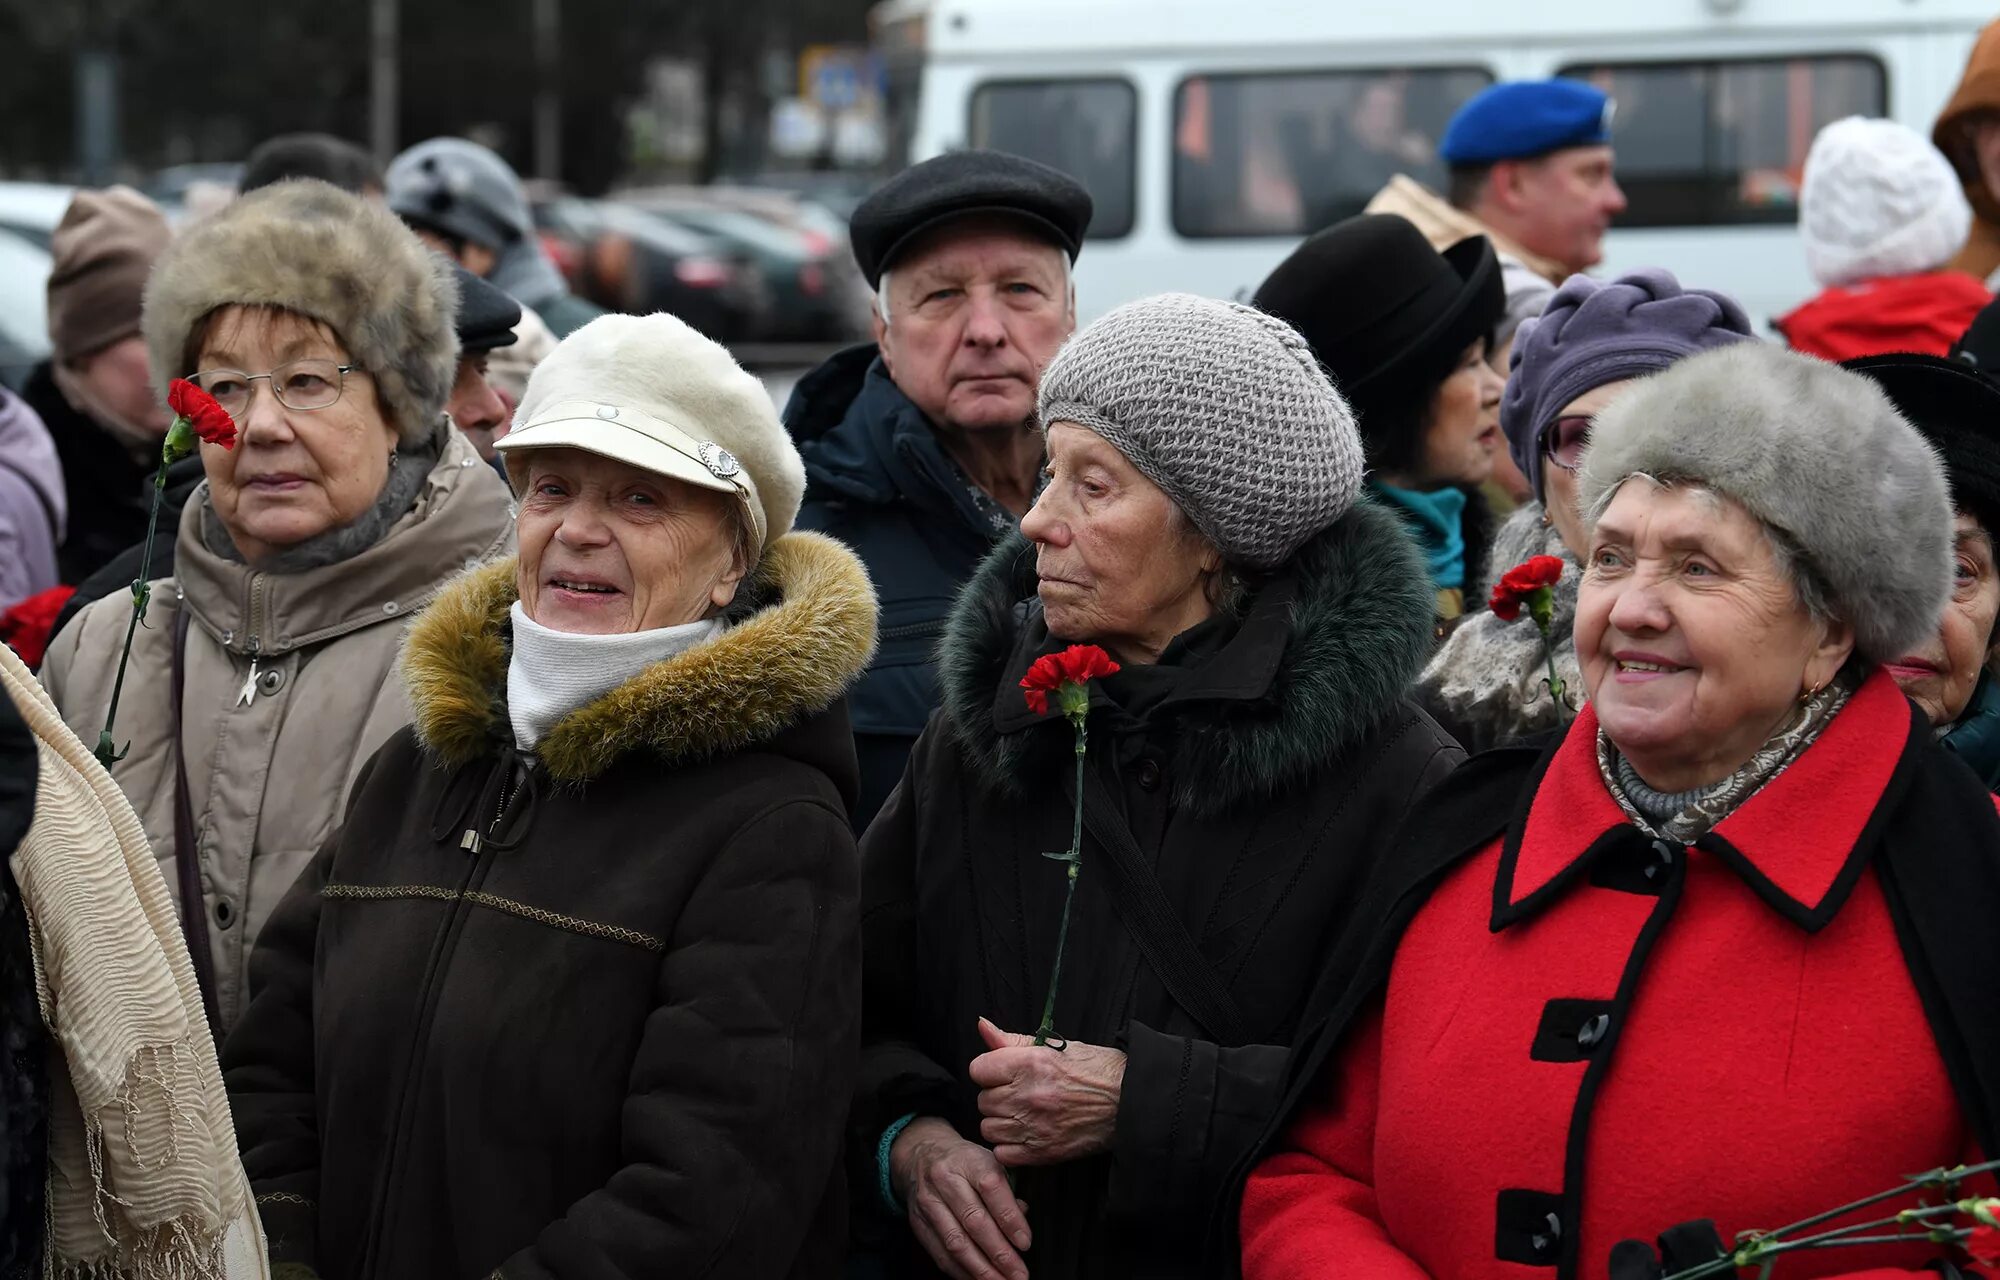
{"x": 144, "y": 1181}
{"x": 553, "y": 673}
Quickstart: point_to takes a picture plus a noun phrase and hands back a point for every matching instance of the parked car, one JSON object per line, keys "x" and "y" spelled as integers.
{"x": 627, "y": 261}
{"x": 24, "y": 317}
{"x": 33, "y": 210}
{"x": 811, "y": 297}
{"x": 821, "y": 231}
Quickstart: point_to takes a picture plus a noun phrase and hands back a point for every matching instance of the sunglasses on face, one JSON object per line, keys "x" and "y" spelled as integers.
{"x": 1565, "y": 441}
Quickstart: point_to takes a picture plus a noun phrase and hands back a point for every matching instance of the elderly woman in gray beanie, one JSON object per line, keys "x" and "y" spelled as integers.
{"x": 261, "y": 682}
{"x": 575, "y": 992}
{"x": 1488, "y": 684}
{"x": 1203, "y": 522}
{"x": 1721, "y": 957}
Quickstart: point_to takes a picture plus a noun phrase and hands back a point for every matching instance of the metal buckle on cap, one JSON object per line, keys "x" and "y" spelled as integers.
{"x": 721, "y": 463}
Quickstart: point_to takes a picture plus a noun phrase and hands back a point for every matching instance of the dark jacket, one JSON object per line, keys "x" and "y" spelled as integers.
{"x": 1612, "y": 1034}
{"x": 877, "y": 479}
{"x": 1975, "y": 736}
{"x": 122, "y": 570}
{"x": 590, "y": 1011}
{"x": 1260, "y": 770}
{"x": 24, "y": 1101}
{"x": 107, "y": 485}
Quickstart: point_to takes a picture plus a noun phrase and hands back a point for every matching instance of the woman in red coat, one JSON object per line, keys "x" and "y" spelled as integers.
{"x": 1716, "y": 953}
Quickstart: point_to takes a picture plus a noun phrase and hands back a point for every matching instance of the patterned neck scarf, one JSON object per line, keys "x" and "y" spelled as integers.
{"x": 1690, "y": 815}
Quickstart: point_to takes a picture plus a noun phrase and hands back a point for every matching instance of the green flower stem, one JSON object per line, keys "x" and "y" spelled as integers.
{"x": 1774, "y": 1243}
{"x": 1557, "y": 689}
{"x": 1047, "y": 1030}
{"x": 107, "y": 751}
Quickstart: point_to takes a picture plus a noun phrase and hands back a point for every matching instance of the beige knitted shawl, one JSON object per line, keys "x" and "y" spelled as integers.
{"x": 144, "y": 1179}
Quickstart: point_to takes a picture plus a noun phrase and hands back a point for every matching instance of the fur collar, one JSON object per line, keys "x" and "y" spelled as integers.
{"x": 805, "y": 632}
{"x": 1346, "y": 624}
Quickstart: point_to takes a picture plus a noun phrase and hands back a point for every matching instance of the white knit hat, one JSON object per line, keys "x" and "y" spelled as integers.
{"x": 650, "y": 391}
{"x": 1878, "y": 200}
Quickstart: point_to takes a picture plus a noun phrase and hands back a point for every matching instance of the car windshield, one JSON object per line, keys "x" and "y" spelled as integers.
{"x": 657, "y": 233}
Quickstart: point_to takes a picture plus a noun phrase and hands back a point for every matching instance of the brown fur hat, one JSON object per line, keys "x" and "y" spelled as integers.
{"x": 311, "y": 248}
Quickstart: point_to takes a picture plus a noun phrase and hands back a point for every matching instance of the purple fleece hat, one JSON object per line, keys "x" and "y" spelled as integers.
{"x": 1592, "y": 333}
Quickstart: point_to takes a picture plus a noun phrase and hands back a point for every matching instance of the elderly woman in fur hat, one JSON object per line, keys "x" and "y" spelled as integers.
{"x": 1204, "y": 523}
{"x": 1719, "y": 959}
{"x": 261, "y": 680}
{"x": 576, "y": 992}
{"x": 1489, "y": 684}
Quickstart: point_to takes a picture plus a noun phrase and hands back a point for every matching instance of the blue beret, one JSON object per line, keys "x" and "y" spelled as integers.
{"x": 1525, "y": 118}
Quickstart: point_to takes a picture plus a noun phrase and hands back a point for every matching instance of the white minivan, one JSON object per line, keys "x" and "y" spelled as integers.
{"x": 1213, "y": 134}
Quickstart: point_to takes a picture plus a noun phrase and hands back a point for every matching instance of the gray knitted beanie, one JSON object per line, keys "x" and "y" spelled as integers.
{"x": 1222, "y": 406}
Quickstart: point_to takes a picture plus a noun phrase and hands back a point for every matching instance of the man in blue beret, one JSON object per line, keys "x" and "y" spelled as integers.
{"x": 920, "y": 447}
{"x": 1530, "y": 168}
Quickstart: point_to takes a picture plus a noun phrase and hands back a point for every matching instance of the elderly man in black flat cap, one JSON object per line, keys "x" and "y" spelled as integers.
{"x": 920, "y": 447}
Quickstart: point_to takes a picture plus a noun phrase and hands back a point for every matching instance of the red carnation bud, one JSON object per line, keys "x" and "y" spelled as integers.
{"x": 211, "y": 422}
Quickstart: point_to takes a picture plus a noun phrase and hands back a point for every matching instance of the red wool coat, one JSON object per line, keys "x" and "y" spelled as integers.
{"x": 1594, "y": 1036}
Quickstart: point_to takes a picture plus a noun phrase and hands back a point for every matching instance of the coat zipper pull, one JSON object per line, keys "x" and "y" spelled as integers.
{"x": 470, "y": 841}
{"x": 249, "y": 689}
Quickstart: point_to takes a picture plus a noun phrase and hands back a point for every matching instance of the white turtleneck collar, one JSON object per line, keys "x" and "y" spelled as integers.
{"x": 553, "y": 673}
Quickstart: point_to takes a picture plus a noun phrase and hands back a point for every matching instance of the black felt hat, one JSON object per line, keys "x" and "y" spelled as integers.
{"x": 1386, "y": 314}
{"x": 1958, "y": 411}
{"x": 961, "y": 184}
{"x": 486, "y": 315}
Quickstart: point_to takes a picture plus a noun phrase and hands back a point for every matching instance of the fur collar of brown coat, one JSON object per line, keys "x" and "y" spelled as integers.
{"x": 803, "y": 631}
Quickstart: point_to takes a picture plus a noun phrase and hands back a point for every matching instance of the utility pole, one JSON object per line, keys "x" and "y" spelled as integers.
{"x": 383, "y": 105}
{"x": 548, "y": 89}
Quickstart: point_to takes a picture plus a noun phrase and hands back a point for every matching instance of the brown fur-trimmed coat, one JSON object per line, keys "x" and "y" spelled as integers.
{"x": 590, "y": 1011}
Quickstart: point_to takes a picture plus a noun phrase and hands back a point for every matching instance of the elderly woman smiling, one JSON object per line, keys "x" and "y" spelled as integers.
{"x": 1203, "y": 522}
{"x": 1724, "y": 951}
{"x": 575, "y": 991}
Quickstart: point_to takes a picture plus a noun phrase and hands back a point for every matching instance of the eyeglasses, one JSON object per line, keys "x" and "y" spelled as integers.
{"x": 302, "y": 385}
{"x": 1565, "y": 441}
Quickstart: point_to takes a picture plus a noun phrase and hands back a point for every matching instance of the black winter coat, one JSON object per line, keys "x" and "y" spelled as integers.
{"x": 587, "y": 1012}
{"x": 24, "y": 1099}
{"x": 109, "y": 488}
{"x": 877, "y": 479}
{"x": 1261, "y": 788}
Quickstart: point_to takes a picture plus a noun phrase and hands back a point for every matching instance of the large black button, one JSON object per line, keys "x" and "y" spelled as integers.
{"x": 1149, "y": 774}
{"x": 1528, "y": 1228}
{"x": 1635, "y": 867}
{"x": 1571, "y": 1030}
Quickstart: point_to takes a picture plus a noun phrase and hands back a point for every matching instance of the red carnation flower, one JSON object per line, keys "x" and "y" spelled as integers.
{"x": 1984, "y": 1245}
{"x": 211, "y": 422}
{"x": 26, "y": 627}
{"x": 1520, "y": 583}
{"x": 1074, "y": 667}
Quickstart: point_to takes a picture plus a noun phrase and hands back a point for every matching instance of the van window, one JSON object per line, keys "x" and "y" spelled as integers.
{"x": 1287, "y": 154}
{"x": 1705, "y": 144}
{"x": 1086, "y": 128}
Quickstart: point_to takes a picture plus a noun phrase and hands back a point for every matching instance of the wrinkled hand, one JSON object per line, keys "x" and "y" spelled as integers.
{"x": 962, "y": 1210}
{"x": 1044, "y": 1106}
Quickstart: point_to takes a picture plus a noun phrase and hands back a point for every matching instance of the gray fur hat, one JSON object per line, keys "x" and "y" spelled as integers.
{"x": 1222, "y": 406}
{"x": 1812, "y": 450}
{"x": 308, "y": 247}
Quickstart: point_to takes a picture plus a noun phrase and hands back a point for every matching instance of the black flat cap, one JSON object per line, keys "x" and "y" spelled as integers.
{"x": 486, "y": 315}
{"x": 960, "y": 184}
